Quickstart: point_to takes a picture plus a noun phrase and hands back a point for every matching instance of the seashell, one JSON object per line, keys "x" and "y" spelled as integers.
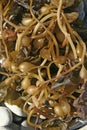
{"x": 15, "y": 109}
{"x": 42, "y": 117}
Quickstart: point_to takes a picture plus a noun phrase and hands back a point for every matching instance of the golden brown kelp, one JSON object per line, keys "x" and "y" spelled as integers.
{"x": 42, "y": 56}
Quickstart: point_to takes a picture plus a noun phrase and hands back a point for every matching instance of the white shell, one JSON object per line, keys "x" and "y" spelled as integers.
{"x": 5, "y": 116}
{"x": 26, "y": 21}
{"x": 15, "y": 109}
{"x": 24, "y": 126}
{"x": 42, "y": 117}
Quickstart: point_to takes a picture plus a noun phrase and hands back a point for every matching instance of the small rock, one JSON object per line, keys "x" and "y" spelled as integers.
{"x": 25, "y": 126}
{"x": 18, "y": 119}
{"x": 10, "y": 127}
{"x": 5, "y": 116}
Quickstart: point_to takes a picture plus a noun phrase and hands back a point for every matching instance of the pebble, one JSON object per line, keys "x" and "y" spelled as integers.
{"x": 11, "y": 127}
{"x": 18, "y": 119}
{"x": 15, "y": 109}
{"x": 25, "y": 126}
{"x": 3, "y": 128}
{"x": 5, "y": 116}
{"x": 83, "y": 128}
{"x": 80, "y": 10}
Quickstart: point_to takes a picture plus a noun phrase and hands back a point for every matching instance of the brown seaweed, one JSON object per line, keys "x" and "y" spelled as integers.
{"x": 43, "y": 60}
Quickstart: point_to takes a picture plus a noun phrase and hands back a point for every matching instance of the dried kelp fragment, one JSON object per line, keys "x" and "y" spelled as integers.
{"x": 81, "y": 102}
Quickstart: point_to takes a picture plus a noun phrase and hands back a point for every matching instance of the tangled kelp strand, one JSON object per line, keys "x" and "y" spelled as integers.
{"x": 43, "y": 56}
